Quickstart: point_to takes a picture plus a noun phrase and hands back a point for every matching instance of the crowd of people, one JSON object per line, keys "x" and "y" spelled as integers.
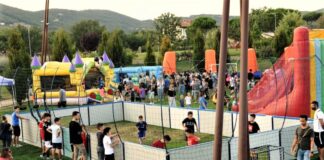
{"x": 181, "y": 89}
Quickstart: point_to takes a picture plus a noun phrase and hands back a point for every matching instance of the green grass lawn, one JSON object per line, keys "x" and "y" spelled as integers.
{"x": 128, "y": 132}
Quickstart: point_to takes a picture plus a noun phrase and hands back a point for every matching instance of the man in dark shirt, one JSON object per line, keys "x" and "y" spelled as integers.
{"x": 162, "y": 142}
{"x": 100, "y": 146}
{"x": 75, "y": 136}
{"x": 253, "y": 126}
{"x": 303, "y": 139}
{"x": 47, "y": 135}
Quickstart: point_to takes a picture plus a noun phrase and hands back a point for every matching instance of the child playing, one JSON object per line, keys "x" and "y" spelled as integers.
{"x": 161, "y": 143}
{"x": 151, "y": 95}
{"x": 202, "y": 101}
{"x": 57, "y": 139}
{"x": 109, "y": 141}
{"x": 191, "y": 138}
{"x": 47, "y": 136}
{"x": 181, "y": 101}
{"x": 141, "y": 126}
{"x": 188, "y": 100}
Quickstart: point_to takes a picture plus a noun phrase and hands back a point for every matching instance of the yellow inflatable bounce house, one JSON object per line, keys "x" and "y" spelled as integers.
{"x": 84, "y": 80}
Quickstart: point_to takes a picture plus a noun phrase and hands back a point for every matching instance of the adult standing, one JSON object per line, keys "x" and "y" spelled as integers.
{"x": 75, "y": 136}
{"x": 6, "y": 132}
{"x": 16, "y": 125}
{"x": 303, "y": 141}
{"x": 172, "y": 94}
{"x": 62, "y": 98}
{"x": 318, "y": 129}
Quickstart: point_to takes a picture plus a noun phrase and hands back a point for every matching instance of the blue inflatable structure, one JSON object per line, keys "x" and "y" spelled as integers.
{"x": 134, "y": 72}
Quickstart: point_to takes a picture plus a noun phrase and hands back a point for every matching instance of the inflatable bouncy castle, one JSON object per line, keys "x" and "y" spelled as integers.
{"x": 83, "y": 79}
{"x": 296, "y": 79}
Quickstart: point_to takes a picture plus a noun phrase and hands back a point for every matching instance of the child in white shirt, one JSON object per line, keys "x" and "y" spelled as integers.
{"x": 188, "y": 100}
{"x": 109, "y": 143}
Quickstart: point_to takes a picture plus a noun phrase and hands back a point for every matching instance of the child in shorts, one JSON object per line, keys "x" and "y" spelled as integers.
{"x": 141, "y": 126}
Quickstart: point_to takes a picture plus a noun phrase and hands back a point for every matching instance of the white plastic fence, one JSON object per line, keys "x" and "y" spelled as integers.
{"x": 172, "y": 118}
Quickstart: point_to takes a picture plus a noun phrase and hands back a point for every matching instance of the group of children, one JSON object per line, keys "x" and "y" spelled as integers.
{"x": 51, "y": 135}
{"x": 107, "y": 141}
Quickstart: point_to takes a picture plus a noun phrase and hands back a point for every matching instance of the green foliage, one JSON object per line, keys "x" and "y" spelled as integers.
{"x": 254, "y": 34}
{"x": 136, "y": 39}
{"x": 267, "y": 19}
{"x": 18, "y": 59}
{"x": 320, "y": 22}
{"x": 199, "y": 49}
{"x": 103, "y": 45}
{"x": 166, "y": 25}
{"x": 61, "y": 45}
{"x": 165, "y": 46}
{"x": 311, "y": 16}
{"x": 3, "y": 39}
{"x": 263, "y": 47}
{"x": 212, "y": 41}
{"x": 202, "y": 23}
{"x": 284, "y": 32}
{"x": 150, "y": 57}
{"x": 234, "y": 29}
{"x": 85, "y": 32}
{"x": 35, "y": 34}
{"x": 116, "y": 49}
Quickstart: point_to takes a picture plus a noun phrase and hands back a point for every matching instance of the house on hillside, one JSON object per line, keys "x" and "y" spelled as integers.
{"x": 184, "y": 24}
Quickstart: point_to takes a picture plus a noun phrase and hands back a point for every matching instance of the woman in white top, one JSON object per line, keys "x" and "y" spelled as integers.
{"x": 109, "y": 143}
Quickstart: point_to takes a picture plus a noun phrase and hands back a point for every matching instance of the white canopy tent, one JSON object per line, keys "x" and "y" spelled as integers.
{"x": 7, "y": 82}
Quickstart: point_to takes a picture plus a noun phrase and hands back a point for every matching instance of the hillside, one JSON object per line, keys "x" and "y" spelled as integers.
{"x": 66, "y": 18}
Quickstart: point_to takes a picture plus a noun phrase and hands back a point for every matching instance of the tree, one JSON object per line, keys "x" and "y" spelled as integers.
{"x": 35, "y": 35}
{"x": 18, "y": 59}
{"x": 84, "y": 32}
{"x": 234, "y": 29}
{"x": 61, "y": 45}
{"x": 165, "y": 46}
{"x": 199, "y": 50}
{"x": 284, "y": 32}
{"x": 103, "y": 45}
{"x": 203, "y": 23}
{"x": 212, "y": 41}
{"x": 320, "y": 22}
{"x": 150, "y": 57}
{"x": 115, "y": 49}
{"x": 311, "y": 16}
{"x": 166, "y": 25}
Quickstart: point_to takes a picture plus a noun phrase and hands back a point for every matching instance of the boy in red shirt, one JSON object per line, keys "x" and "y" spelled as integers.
{"x": 162, "y": 142}
{"x": 191, "y": 138}
{"x": 42, "y": 133}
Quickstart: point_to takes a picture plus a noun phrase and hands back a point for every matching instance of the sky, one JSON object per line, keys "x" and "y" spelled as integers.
{"x": 150, "y": 9}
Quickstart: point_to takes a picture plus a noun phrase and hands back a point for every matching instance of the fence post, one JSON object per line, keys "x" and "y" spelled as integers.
{"x": 123, "y": 108}
{"x": 229, "y": 148}
{"x": 280, "y": 137}
{"x": 198, "y": 112}
{"x": 169, "y": 116}
{"x": 22, "y": 131}
{"x": 144, "y": 112}
{"x": 272, "y": 123}
{"x": 63, "y": 146}
{"x": 123, "y": 146}
{"x": 232, "y": 123}
{"x": 88, "y": 110}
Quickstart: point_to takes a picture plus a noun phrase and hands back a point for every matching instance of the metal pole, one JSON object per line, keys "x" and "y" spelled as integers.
{"x": 217, "y": 150}
{"x": 30, "y": 52}
{"x": 45, "y": 30}
{"x": 243, "y": 145}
